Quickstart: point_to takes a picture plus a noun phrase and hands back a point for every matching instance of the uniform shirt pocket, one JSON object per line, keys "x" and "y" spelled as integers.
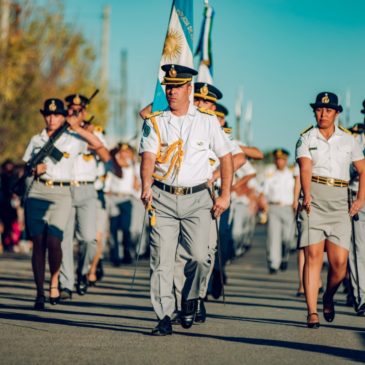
{"x": 200, "y": 144}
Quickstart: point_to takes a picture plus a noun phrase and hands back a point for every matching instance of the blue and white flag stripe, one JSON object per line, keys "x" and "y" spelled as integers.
{"x": 204, "y": 48}
{"x": 178, "y": 46}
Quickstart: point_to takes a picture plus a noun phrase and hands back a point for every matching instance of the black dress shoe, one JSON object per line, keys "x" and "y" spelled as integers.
{"x": 201, "y": 313}
{"x": 54, "y": 300}
{"x": 163, "y": 327}
{"x": 188, "y": 309}
{"x": 175, "y": 318}
{"x": 39, "y": 302}
{"x": 99, "y": 270}
{"x": 300, "y": 294}
{"x": 284, "y": 266}
{"x": 81, "y": 286}
{"x": 65, "y": 294}
{"x": 328, "y": 308}
{"x": 216, "y": 284}
{"x": 272, "y": 271}
{"x": 315, "y": 324}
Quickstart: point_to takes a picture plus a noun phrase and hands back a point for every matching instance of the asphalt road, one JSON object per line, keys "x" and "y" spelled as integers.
{"x": 262, "y": 322}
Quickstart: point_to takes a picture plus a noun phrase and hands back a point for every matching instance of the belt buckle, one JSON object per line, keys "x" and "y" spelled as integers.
{"x": 179, "y": 190}
{"x": 49, "y": 183}
{"x": 330, "y": 182}
{"x": 75, "y": 183}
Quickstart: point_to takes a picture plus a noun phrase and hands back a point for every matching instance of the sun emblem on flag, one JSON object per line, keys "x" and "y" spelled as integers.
{"x": 173, "y": 45}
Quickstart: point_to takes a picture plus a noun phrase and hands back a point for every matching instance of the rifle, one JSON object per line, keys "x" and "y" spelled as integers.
{"x": 49, "y": 149}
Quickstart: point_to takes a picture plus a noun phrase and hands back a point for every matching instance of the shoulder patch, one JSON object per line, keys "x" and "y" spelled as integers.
{"x": 343, "y": 129}
{"x": 146, "y": 130}
{"x": 154, "y": 114}
{"x": 206, "y": 111}
{"x": 306, "y": 130}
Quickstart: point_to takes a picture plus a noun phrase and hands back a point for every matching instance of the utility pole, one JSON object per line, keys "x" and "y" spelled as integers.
{"x": 104, "y": 67}
{"x": 248, "y": 120}
{"x": 348, "y": 106}
{"x": 123, "y": 92}
{"x": 238, "y": 113}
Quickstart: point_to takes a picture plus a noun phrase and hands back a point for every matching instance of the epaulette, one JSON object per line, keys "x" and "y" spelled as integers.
{"x": 227, "y": 130}
{"x": 343, "y": 129}
{"x": 306, "y": 130}
{"x": 206, "y": 111}
{"x": 99, "y": 128}
{"x": 154, "y": 114}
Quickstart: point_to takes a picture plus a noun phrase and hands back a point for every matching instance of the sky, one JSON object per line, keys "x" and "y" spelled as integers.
{"x": 281, "y": 52}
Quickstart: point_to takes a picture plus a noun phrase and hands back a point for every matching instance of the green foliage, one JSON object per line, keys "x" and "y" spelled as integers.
{"x": 42, "y": 57}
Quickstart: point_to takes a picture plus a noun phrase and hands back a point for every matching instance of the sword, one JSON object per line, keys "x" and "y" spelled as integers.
{"x": 219, "y": 246}
{"x": 139, "y": 248}
{"x": 353, "y": 240}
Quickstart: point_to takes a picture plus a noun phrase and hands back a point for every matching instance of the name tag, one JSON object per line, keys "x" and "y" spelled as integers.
{"x": 312, "y": 148}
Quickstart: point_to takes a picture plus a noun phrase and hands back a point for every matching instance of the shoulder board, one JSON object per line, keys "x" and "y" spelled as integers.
{"x": 154, "y": 114}
{"x": 206, "y": 111}
{"x": 227, "y": 130}
{"x": 99, "y": 128}
{"x": 343, "y": 129}
{"x": 306, "y": 130}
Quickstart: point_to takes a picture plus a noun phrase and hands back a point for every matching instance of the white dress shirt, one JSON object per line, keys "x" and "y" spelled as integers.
{"x": 69, "y": 143}
{"x": 123, "y": 185}
{"x": 86, "y": 164}
{"x": 279, "y": 187}
{"x": 200, "y": 133}
{"x": 331, "y": 158}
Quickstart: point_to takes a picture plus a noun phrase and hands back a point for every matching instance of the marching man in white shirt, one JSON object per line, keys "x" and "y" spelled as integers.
{"x": 279, "y": 190}
{"x": 175, "y": 149}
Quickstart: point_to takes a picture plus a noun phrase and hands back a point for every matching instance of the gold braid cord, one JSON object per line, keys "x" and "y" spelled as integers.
{"x": 174, "y": 154}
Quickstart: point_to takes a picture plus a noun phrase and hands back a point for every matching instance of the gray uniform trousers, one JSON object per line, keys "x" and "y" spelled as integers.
{"x": 241, "y": 227}
{"x": 124, "y": 230}
{"x": 358, "y": 282}
{"x": 184, "y": 220}
{"x": 281, "y": 229}
{"x": 82, "y": 224}
{"x": 180, "y": 262}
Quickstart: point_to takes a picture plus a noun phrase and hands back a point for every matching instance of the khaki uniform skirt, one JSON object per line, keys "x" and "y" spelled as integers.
{"x": 329, "y": 217}
{"x": 47, "y": 209}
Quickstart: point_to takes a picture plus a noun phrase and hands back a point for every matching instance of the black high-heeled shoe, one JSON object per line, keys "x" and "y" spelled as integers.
{"x": 54, "y": 300}
{"x": 39, "y": 302}
{"x": 314, "y": 325}
{"x": 329, "y": 316}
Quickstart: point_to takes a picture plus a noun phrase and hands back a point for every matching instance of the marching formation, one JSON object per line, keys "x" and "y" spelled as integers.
{"x": 188, "y": 198}
{"x": 202, "y": 196}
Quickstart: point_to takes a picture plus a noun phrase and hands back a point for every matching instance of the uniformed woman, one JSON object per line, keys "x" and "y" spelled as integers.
{"x": 48, "y": 203}
{"x": 325, "y": 153}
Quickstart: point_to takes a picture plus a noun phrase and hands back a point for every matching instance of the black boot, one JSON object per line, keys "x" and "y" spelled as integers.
{"x": 188, "y": 309}
{"x": 201, "y": 313}
{"x": 163, "y": 327}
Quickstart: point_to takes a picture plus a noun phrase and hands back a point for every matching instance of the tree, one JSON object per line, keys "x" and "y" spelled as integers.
{"x": 42, "y": 57}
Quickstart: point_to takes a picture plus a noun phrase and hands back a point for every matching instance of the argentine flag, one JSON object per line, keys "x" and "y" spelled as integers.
{"x": 204, "y": 49}
{"x": 178, "y": 46}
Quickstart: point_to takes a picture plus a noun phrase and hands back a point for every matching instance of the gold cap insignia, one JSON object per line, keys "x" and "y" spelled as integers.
{"x": 52, "y": 107}
{"x": 76, "y": 100}
{"x": 204, "y": 90}
{"x": 172, "y": 72}
{"x": 325, "y": 99}
{"x": 124, "y": 147}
